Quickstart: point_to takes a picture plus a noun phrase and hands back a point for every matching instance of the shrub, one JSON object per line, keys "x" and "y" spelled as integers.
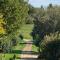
{"x": 21, "y": 36}
{"x": 50, "y": 47}
{"x": 14, "y": 42}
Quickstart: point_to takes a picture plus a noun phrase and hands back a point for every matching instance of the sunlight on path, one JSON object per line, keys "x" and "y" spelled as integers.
{"x": 28, "y": 52}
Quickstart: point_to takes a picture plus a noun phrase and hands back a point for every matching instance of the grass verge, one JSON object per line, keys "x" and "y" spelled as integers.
{"x": 34, "y": 48}
{"x": 16, "y": 51}
{"x": 26, "y": 30}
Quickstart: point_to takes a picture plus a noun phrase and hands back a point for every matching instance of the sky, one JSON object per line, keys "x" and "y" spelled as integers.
{"x": 38, "y": 3}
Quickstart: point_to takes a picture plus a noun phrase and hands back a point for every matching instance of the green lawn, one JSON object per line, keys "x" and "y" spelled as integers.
{"x": 34, "y": 48}
{"x": 6, "y": 56}
{"x": 16, "y": 50}
{"x": 26, "y": 30}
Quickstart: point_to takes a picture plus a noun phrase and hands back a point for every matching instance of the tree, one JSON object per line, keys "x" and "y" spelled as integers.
{"x": 50, "y": 6}
{"x": 50, "y": 47}
{"x": 14, "y": 16}
{"x": 46, "y": 22}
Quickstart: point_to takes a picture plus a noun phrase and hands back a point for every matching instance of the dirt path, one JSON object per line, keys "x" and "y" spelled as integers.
{"x": 27, "y": 53}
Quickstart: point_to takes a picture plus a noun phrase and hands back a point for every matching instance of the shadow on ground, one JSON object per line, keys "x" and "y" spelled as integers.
{"x": 28, "y": 42}
{"x": 24, "y": 52}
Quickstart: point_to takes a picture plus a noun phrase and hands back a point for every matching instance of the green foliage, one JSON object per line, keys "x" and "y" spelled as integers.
{"x": 21, "y": 36}
{"x": 14, "y": 42}
{"x": 46, "y": 22}
{"x": 29, "y": 20}
{"x": 14, "y": 14}
{"x": 34, "y": 48}
{"x": 44, "y": 33}
{"x": 50, "y": 47}
{"x": 16, "y": 49}
{"x": 26, "y": 30}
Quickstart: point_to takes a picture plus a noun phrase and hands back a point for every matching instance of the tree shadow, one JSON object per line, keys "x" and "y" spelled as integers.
{"x": 24, "y": 52}
{"x": 16, "y": 52}
{"x": 30, "y": 52}
{"x": 30, "y": 42}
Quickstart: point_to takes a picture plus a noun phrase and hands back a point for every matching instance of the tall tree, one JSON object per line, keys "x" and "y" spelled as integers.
{"x": 14, "y": 14}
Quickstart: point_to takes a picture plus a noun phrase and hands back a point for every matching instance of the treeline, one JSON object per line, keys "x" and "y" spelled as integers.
{"x": 46, "y": 31}
{"x": 13, "y": 14}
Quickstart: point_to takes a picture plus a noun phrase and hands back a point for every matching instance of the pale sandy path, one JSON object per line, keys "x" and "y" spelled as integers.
{"x": 28, "y": 55}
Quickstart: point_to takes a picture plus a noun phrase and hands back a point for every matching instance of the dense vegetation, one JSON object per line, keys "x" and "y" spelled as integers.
{"x": 47, "y": 23}
{"x": 12, "y": 16}
{"x": 46, "y": 31}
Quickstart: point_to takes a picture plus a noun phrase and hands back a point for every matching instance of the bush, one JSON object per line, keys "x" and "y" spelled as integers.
{"x": 21, "y": 36}
{"x": 50, "y": 48}
{"x": 29, "y": 20}
{"x": 14, "y": 42}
